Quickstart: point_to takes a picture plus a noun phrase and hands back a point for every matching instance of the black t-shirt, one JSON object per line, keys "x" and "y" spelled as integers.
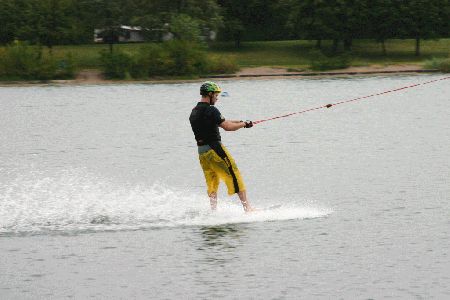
{"x": 205, "y": 120}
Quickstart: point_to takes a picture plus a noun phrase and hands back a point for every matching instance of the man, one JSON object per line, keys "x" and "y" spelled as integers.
{"x": 215, "y": 159}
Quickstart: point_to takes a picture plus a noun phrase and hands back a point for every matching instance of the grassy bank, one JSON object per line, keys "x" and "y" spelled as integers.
{"x": 289, "y": 54}
{"x": 298, "y": 54}
{"x": 283, "y": 53}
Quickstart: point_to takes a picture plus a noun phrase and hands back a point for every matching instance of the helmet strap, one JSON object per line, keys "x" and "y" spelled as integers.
{"x": 210, "y": 98}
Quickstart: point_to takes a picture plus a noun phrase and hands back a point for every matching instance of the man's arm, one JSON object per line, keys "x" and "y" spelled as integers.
{"x": 229, "y": 125}
{"x": 233, "y": 125}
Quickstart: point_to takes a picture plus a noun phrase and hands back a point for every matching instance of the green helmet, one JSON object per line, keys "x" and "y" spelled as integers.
{"x": 208, "y": 87}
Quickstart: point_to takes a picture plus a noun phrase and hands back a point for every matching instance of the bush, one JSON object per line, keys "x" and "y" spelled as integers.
{"x": 65, "y": 68}
{"x": 185, "y": 28}
{"x": 321, "y": 62}
{"x": 188, "y": 58}
{"x": 19, "y": 61}
{"x": 441, "y": 64}
{"x": 174, "y": 58}
{"x": 115, "y": 65}
{"x": 149, "y": 61}
{"x": 23, "y": 62}
{"x": 222, "y": 65}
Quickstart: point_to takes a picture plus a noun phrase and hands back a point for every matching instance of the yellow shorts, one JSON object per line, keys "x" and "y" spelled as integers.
{"x": 221, "y": 166}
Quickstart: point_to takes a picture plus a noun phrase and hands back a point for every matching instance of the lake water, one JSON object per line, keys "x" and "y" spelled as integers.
{"x": 102, "y": 195}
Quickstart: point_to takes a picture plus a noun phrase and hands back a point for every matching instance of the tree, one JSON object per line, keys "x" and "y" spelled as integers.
{"x": 8, "y": 21}
{"x": 382, "y": 21}
{"x": 83, "y": 18}
{"x": 233, "y": 30}
{"x": 421, "y": 19}
{"x": 234, "y": 26}
{"x": 16, "y": 17}
{"x": 206, "y": 12}
{"x": 185, "y": 28}
{"x": 52, "y": 23}
{"x": 306, "y": 20}
{"x": 254, "y": 20}
{"x": 346, "y": 19}
{"x": 109, "y": 19}
{"x": 201, "y": 17}
{"x": 443, "y": 29}
{"x": 339, "y": 20}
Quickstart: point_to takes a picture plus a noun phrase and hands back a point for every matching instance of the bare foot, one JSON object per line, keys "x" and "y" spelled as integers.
{"x": 251, "y": 209}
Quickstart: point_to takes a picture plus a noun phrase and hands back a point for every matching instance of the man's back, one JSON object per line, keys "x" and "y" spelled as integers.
{"x": 205, "y": 120}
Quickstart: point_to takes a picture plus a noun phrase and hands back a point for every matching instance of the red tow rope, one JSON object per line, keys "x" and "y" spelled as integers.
{"x": 347, "y": 101}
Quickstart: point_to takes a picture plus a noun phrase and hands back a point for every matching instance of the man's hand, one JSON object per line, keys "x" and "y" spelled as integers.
{"x": 248, "y": 124}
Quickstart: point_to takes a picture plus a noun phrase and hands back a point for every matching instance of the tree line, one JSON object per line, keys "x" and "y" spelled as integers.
{"x": 56, "y": 22}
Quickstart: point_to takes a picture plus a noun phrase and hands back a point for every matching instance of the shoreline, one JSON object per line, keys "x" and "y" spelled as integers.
{"x": 94, "y": 77}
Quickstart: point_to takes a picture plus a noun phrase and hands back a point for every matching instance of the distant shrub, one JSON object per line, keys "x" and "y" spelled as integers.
{"x": 65, "y": 68}
{"x": 20, "y": 61}
{"x": 222, "y": 65}
{"x": 185, "y": 28}
{"x": 46, "y": 70}
{"x": 150, "y": 60}
{"x": 187, "y": 58}
{"x": 115, "y": 65}
{"x": 441, "y": 64}
{"x": 173, "y": 58}
{"x": 177, "y": 58}
{"x": 321, "y": 62}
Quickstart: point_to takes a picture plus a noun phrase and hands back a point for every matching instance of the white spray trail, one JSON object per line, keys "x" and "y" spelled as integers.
{"x": 74, "y": 200}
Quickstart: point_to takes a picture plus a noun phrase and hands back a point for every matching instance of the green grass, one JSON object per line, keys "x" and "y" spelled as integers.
{"x": 272, "y": 53}
{"x": 290, "y": 54}
{"x": 442, "y": 64}
{"x": 399, "y": 51}
{"x": 298, "y": 54}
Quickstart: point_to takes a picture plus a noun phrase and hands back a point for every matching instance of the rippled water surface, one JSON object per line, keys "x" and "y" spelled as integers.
{"x": 102, "y": 195}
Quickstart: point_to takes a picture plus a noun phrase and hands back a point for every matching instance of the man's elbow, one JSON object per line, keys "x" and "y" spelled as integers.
{"x": 228, "y": 126}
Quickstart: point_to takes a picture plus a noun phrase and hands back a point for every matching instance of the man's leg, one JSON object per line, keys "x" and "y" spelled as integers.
{"x": 229, "y": 172}
{"x": 213, "y": 200}
{"x": 211, "y": 178}
{"x": 243, "y": 197}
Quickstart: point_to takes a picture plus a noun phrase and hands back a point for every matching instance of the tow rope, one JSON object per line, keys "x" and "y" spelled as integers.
{"x": 347, "y": 101}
